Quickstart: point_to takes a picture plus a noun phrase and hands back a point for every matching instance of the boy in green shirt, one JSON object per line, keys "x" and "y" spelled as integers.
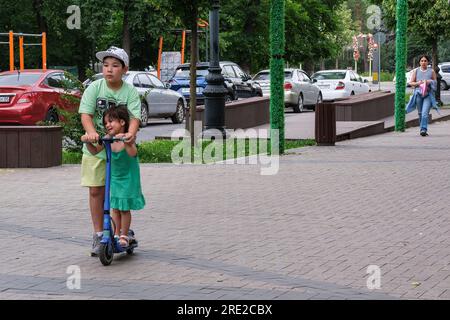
{"x": 99, "y": 96}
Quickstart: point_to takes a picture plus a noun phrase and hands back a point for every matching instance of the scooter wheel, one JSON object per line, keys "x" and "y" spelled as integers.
{"x": 130, "y": 251}
{"x": 106, "y": 254}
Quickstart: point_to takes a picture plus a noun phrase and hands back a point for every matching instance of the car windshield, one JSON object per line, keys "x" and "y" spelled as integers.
{"x": 185, "y": 73}
{"x": 23, "y": 79}
{"x": 266, "y": 75}
{"x": 329, "y": 75}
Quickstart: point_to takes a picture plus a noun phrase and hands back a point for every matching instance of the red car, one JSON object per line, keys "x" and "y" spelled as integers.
{"x": 30, "y": 96}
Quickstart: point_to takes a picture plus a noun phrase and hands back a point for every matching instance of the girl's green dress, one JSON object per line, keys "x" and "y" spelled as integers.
{"x": 126, "y": 192}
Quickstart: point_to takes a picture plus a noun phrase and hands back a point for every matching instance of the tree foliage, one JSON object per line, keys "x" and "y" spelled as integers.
{"x": 314, "y": 30}
{"x": 428, "y": 23}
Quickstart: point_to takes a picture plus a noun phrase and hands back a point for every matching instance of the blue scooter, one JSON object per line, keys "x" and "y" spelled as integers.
{"x": 109, "y": 244}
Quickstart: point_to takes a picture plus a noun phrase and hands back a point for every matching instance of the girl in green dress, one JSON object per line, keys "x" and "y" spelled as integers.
{"x": 126, "y": 192}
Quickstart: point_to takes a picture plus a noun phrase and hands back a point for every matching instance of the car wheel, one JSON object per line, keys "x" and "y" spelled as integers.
{"x": 443, "y": 85}
{"x": 353, "y": 93}
{"x": 228, "y": 98}
{"x": 144, "y": 115}
{"x": 299, "y": 107}
{"x": 178, "y": 116}
{"x": 52, "y": 116}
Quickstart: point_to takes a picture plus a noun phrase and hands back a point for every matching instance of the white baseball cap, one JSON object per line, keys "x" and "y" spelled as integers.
{"x": 115, "y": 52}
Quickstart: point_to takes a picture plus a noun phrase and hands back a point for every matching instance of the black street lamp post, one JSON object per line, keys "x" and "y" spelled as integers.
{"x": 215, "y": 90}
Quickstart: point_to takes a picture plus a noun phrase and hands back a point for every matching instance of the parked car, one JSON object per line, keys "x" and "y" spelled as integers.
{"x": 445, "y": 73}
{"x": 300, "y": 91}
{"x": 237, "y": 83}
{"x": 336, "y": 84}
{"x": 158, "y": 101}
{"x": 30, "y": 96}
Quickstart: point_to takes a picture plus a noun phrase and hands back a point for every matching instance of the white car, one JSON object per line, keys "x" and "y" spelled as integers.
{"x": 335, "y": 84}
{"x": 445, "y": 73}
{"x": 300, "y": 92}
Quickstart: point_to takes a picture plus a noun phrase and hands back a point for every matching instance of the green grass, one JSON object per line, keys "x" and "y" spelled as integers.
{"x": 407, "y": 97}
{"x": 160, "y": 151}
{"x": 71, "y": 157}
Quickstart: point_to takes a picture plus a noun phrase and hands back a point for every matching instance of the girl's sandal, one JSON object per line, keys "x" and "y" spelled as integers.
{"x": 124, "y": 241}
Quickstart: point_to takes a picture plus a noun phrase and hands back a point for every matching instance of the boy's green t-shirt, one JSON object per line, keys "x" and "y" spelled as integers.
{"x": 98, "y": 97}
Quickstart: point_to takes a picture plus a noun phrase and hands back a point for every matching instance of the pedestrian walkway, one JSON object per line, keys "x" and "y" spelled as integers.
{"x": 312, "y": 231}
{"x": 302, "y": 126}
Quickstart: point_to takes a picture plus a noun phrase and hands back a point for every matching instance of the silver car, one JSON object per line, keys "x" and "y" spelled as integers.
{"x": 300, "y": 92}
{"x": 158, "y": 101}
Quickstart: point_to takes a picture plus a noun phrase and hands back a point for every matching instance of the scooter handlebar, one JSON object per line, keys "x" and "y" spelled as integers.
{"x": 106, "y": 139}
{"x": 110, "y": 139}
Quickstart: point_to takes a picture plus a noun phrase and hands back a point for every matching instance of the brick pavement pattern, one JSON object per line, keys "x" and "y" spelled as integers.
{"x": 227, "y": 232}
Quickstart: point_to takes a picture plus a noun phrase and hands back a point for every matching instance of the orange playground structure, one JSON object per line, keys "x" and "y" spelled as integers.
{"x": 21, "y": 36}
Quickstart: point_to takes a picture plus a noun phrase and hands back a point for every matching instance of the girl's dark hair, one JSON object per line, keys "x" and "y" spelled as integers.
{"x": 424, "y": 56}
{"x": 118, "y": 113}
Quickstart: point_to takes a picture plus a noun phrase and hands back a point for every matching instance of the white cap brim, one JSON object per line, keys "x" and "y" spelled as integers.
{"x": 103, "y": 54}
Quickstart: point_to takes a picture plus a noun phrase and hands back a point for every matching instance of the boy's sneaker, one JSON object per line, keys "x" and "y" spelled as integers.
{"x": 95, "y": 245}
{"x": 423, "y": 133}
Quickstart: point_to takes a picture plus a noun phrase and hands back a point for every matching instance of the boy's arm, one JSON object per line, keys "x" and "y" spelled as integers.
{"x": 130, "y": 136}
{"x": 134, "y": 108}
{"x": 88, "y": 125}
{"x": 87, "y": 111}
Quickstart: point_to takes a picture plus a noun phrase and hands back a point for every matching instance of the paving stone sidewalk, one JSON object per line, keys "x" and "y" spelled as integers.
{"x": 227, "y": 232}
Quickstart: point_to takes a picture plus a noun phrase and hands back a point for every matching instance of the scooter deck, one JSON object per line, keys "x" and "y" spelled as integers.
{"x": 133, "y": 244}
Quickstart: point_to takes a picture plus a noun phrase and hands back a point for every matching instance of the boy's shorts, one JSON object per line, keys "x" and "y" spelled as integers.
{"x": 93, "y": 171}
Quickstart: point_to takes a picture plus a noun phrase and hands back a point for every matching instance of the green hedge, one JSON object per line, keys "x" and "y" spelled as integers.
{"x": 159, "y": 151}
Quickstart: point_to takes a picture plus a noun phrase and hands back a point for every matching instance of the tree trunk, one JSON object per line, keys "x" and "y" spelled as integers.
{"x": 249, "y": 27}
{"x": 364, "y": 54}
{"x": 435, "y": 57}
{"x": 126, "y": 41}
{"x": 308, "y": 66}
{"x": 193, "y": 72}
{"x": 41, "y": 23}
